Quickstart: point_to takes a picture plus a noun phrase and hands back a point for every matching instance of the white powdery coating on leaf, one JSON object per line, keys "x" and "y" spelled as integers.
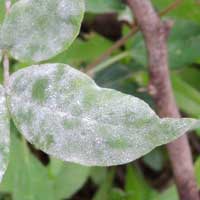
{"x": 38, "y": 30}
{"x": 64, "y": 113}
{"x": 4, "y": 134}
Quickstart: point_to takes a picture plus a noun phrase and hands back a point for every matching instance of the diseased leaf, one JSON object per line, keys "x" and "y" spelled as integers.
{"x": 38, "y": 30}
{"x": 4, "y": 133}
{"x": 63, "y": 112}
{"x": 27, "y": 179}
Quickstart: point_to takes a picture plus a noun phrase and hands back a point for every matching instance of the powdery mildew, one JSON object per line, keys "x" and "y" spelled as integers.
{"x": 37, "y": 30}
{"x": 4, "y": 133}
{"x": 63, "y": 112}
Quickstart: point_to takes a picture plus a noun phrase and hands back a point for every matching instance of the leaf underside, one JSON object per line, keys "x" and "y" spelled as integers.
{"x": 38, "y": 30}
{"x": 63, "y": 112}
{"x": 4, "y": 133}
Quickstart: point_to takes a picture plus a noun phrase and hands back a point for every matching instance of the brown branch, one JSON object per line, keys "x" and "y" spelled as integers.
{"x": 155, "y": 33}
{"x": 124, "y": 39}
{"x": 170, "y": 7}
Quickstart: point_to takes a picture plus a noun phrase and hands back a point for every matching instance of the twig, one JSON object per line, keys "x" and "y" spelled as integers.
{"x": 108, "y": 62}
{"x": 116, "y": 46}
{"x": 8, "y": 6}
{"x": 155, "y": 34}
{"x": 124, "y": 39}
{"x": 170, "y": 8}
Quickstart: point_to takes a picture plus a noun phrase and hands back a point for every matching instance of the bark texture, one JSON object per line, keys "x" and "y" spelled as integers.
{"x": 155, "y": 33}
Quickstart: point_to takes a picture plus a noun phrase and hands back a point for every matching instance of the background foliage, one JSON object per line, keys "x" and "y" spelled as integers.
{"x": 33, "y": 175}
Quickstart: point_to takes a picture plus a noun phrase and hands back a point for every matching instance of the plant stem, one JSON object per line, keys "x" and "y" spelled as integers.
{"x": 8, "y": 6}
{"x": 124, "y": 39}
{"x": 108, "y": 62}
{"x": 116, "y": 46}
{"x": 155, "y": 33}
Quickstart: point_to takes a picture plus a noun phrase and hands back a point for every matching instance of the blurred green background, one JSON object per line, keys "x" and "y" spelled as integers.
{"x": 32, "y": 175}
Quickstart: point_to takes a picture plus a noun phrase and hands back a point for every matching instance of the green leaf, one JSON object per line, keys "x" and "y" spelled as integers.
{"x": 103, "y": 6}
{"x": 57, "y": 181}
{"x": 187, "y": 9}
{"x": 187, "y": 97}
{"x": 4, "y": 133}
{"x": 155, "y": 159}
{"x": 183, "y": 45}
{"x": 197, "y": 170}
{"x": 83, "y": 51}
{"x": 169, "y": 194}
{"x": 136, "y": 186}
{"x": 38, "y": 30}
{"x": 98, "y": 174}
{"x": 117, "y": 194}
{"x": 68, "y": 177}
{"x": 191, "y": 76}
{"x": 63, "y": 112}
{"x": 104, "y": 190}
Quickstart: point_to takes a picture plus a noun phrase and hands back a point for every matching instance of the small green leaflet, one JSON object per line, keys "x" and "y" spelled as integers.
{"x": 63, "y": 112}
{"x": 38, "y": 30}
{"x": 4, "y": 133}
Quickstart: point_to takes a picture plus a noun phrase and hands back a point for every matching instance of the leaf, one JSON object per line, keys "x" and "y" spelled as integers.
{"x": 169, "y": 194}
{"x": 68, "y": 178}
{"x": 25, "y": 171}
{"x": 187, "y": 9}
{"x": 197, "y": 170}
{"x": 83, "y": 51}
{"x": 117, "y": 194}
{"x": 98, "y": 175}
{"x": 104, "y": 190}
{"x": 4, "y": 133}
{"x": 38, "y": 30}
{"x": 187, "y": 97}
{"x": 191, "y": 76}
{"x": 136, "y": 186}
{"x": 103, "y": 6}
{"x": 155, "y": 159}
{"x": 64, "y": 113}
{"x": 183, "y": 45}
